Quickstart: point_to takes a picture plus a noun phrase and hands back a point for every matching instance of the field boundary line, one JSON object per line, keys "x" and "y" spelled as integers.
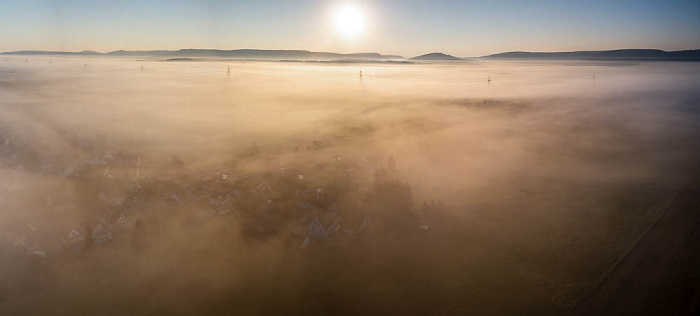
{"x": 617, "y": 263}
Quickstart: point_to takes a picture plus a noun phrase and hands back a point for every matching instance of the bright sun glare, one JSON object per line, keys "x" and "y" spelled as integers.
{"x": 349, "y": 21}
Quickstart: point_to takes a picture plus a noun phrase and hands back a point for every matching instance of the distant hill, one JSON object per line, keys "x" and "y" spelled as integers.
{"x": 143, "y": 53}
{"x": 180, "y": 59}
{"x": 54, "y": 53}
{"x": 349, "y": 61}
{"x": 218, "y": 53}
{"x": 305, "y": 55}
{"x": 435, "y": 56}
{"x": 618, "y": 54}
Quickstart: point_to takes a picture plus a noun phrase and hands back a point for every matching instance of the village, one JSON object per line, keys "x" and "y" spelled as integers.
{"x": 108, "y": 197}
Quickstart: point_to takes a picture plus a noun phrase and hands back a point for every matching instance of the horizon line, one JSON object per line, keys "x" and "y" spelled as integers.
{"x": 88, "y": 51}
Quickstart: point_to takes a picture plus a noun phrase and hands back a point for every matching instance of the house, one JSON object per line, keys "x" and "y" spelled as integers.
{"x": 67, "y": 171}
{"x": 238, "y": 193}
{"x": 100, "y": 234}
{"x": 114, "y": 201}
{"x": 251, "y": 186}
{"x": 221, "y": 204}
{"x": 297, "y": 241}
{"x": 246, "y": 186}
{"x": 31, "y": 246}
{"x": 201, "y": 215}
{"x": 308, "y": 197}
{"x": 117, "y": 159}
{"x": 325, "y": 224}
{"x": 126, "y": 159}
{"x": 355, "y": 224}
{"x": 118, "y": 222}
{"x": 73, "y": 238}
{"x": 173, "y": 200}
{"x": 122, "y": 172}
{"x": 258, "y": 227}
{"x": 264, "y": 222}
{"x": 263, "y": 189}
{"x": 36, "y": 242}
{"x": 102, "y": 158}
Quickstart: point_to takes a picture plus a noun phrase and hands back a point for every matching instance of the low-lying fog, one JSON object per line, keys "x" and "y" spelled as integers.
{"x": 487, "y": 187}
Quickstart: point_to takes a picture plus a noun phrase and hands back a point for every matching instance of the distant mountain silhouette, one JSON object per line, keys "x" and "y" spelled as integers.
{"x": 305, "y": 55}
{"x": 41, "y": 52}
{"x": 217, "y": 53}
{"x": 180, "y": 59}
{"x": 435, "y": 56}
{"x": 143, "y": 53}
{"x": 618, "y": 54}
{"x": 349, "y": 61}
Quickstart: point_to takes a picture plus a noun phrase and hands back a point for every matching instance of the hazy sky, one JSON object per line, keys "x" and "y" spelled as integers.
{"x": 410, "y": 27}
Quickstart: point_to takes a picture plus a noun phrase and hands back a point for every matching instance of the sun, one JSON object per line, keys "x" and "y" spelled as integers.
{"x": 349, "y": 21}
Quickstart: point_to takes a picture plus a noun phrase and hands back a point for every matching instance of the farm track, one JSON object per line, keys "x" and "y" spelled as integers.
{"x": 660, "y": 274}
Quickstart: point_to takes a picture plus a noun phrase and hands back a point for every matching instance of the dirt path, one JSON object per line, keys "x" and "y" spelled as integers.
{"x": 661, "y": 273}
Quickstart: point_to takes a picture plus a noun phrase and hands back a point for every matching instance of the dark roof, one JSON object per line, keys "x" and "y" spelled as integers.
{"x": 328, "y": 217}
